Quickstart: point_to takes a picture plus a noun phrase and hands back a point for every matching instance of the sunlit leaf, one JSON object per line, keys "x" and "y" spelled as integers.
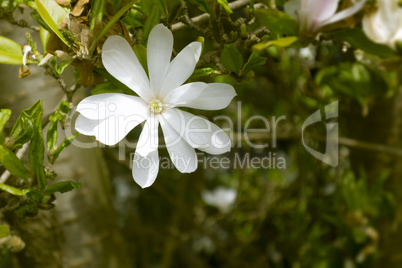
{"x": 11, "y": 190}
{"x": 4, "y": 117}
{"x": 44, "y": 37}
{"x": 53, "y": 14}
{"x": 97, "y": 8}
{"x": 4, "y": 230}
{"x": 12, "y": 163}
{"x": 225, "y": 5}
{"x": 10, "y": 52}
{"x": 281, "y": 42}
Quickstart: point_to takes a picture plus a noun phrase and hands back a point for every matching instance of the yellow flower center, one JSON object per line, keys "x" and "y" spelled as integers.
{"x": 156, "y": 106}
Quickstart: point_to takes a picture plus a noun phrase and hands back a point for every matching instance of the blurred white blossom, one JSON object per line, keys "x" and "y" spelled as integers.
{"x": 312, "y": 15}
{"x": 221, "y": 198}
{"x": 384, "y": 24}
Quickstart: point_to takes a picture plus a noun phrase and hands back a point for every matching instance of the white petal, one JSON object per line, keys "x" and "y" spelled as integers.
{"x": 181, "y": 153}
{"x": 198, "y": 132}
{"x": 159, "y": 52}
{"x": 113, "y": 129}
{"x": 120, "y": 61}
{"x": 384, "y": 25}
{"x": 145, "y": 169}
{"x": 215, "y": 97}
{"x": 291, "y": 8}
{"x": 85, "y": 125}
{"x": 181, "y": 67}
{"x": 343, "y": 14}
{"x": 105, "y": 105}
{"x": 185, "y": 93}
{"x": 148, "y": 141}
{"x": 322, "y": 10}
{"x": 375, "y": 28}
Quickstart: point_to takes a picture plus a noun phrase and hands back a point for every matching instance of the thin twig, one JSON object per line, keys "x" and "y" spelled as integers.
{"x": 239, "y": 4}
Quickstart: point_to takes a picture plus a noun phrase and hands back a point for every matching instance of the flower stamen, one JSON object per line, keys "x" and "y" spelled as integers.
{"x": 156, "y": 106}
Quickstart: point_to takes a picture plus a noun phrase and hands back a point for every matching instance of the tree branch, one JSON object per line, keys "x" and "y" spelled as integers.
{"x": 239, "y": 4}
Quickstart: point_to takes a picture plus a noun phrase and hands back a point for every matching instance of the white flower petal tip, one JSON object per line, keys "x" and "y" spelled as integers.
{"x": 145, "y": 169}
{"x": 181, "y": 67}
{"x": 198, "y": 132}
{"x": 159, "y": 53}
{"x": 181, "y": 153}
{"x": 120, "y": 61}
{"x": 221, "y": 198}
{"x": 214, "y": 97}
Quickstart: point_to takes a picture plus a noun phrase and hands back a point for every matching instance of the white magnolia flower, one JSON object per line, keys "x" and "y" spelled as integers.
{"x": 221, "y": 197}
{"x": 384, "y": 25}
{"x": 312, "y": 15}
{"x": 111, "y": 116}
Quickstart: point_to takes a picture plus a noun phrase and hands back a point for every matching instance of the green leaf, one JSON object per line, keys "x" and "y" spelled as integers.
{"x": 12, "y": 163}
{"x": 150, "y": 22}
{"x": 111, "y": 22}
{"x": 357, "y": 39}
{"x": 277, "y": 22}
{"x": 58, "y": 116}
{"x": 37, "y": 150}
{"x": 134, "y": 18}
{"x": 203, "y": 72}
{"x": 22, "y": 131}
{"x": 63, "y": 145}
{"x": 44, "y": 37}
{"x": 62, "y": 187}
{"x": 231, "y": 58}
{"x": 59, "y": 67}
{"x": 281, "y": 42}
{"x": 4, "y": 117}
{"x": 149, "y": 5}
{"x": 34, "y": 195}
{"x": 11, "y": 190}
{"x": 141, "y": 53}
{"x": 205, "y": 6}
{"x": 106, "y": 87}
{"x": 253, "y": 62}
{"x": 10, "y": 52}
{"x": 225, "y": 5}
{"x": 4, "y": 230}
{"x": 53, "y": 14}
{"x": 97, "y": 8}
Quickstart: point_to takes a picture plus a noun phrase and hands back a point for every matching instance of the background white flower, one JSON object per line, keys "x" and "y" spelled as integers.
{"x": 384, "y": 25}
{"x": 221, "y": 198}
{"x": 109, "y": 117}
{"x": 312, "y": 15}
